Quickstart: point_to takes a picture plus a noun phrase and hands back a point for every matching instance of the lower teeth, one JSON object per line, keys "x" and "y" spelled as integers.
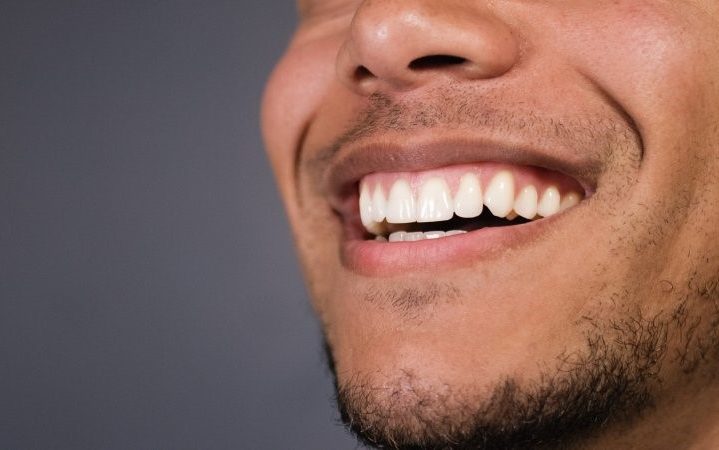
{"x": 403, "y": 236}
{"x": 411, "y": 232}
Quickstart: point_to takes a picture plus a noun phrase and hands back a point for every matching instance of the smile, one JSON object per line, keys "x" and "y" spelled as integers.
{"x": 414, "y": 206}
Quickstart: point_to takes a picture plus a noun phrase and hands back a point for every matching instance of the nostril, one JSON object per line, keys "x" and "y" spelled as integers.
{"x": 362, "y": 73}
{"x": 436, "y": 62}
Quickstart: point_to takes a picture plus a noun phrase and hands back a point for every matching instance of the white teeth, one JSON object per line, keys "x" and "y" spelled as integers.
{"x": 499, "y": 197}
{"x": 569, "y": 199}
{"x": 526, "y": 203}
{"x": 365, "y": 205}
{"x": 416, "y": 236}
{"x": 397, "y": 236}
{"x": 549, "y": 204}
{"x": 400, "y": 205}
{"x": 435, "y": 203}
{"x": 468, "y": 200}
{"x": 379, "y": 204}
{"x": 434, "y": 234}
{"x": 402, "y": 236}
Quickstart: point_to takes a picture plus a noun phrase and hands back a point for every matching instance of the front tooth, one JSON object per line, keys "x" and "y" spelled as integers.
{"x": 549, "y": 204}
{"x": 397, "y": 236}
{"x": 416, "y": 236}
{"x": 499, "y": 197}
{"x": 435, "y": 202}
{"x": 455, "y": 232}
{"x": 569, "y": 199}
{"x": 468, "y": 200}
{"x": 379, "y": 204}
{"x": 400, "y": 205}
{"x": 434, "y": 234}
{"x": 365, "y": 205}
{"x": 526, "y": 203}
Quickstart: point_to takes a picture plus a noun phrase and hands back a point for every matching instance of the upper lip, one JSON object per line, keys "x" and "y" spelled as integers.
{"x": 382, "y": 154}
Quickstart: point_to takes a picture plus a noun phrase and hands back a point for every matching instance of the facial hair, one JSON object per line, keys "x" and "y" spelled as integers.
{"x": 610, "y": 382}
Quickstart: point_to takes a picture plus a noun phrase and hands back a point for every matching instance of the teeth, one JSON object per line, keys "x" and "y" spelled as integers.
{"x": 499, "y": 197}
{"x": 365, "y": 206}
{"x": 434, "y": 234}
{"x": 468, "y": 200}
{"x": 435, "y": 203}
{"x": 402, "y": 236}
{"x": 549, "y": 204}
{"x": 379, "y": 204}
{"x": 400, "y": 205}
{"x": 526, "y": 203}
{"x": 416, "y": 236}
{"x": 397, "y": 236}
{"x": 569, "y": 199}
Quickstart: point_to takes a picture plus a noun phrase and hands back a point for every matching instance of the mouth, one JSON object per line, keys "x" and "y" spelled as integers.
{"x": 407, "y": 209}
{"x": 450, "y": 201}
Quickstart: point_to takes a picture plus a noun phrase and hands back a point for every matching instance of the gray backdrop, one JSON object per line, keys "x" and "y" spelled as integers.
{"x": 149, "y": 296}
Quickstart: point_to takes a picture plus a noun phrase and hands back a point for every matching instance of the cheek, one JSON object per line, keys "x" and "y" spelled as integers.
{"x": 293, "y": 94}
{"x": 652, "y": 56}
{"x": 656, "y": 59}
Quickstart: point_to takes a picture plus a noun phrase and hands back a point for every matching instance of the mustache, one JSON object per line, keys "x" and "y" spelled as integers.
{"x": 605, "y": 136}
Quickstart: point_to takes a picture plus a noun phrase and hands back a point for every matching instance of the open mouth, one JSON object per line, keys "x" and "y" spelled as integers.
{"x": 434, "y": 204}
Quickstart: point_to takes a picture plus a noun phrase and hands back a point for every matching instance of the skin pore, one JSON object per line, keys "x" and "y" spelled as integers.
{"x": 595, "y": 328}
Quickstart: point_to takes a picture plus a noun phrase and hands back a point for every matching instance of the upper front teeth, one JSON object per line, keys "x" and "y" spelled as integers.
{"x": 526, "y": 203}
{"x": 400, "y": 207}
{"x": 434, "y": 201}
{"x": 499, "y": 197}
{"x": 378, "y": 207}
{"x": 468, "y": 199}
{"x": 549, "y": 203}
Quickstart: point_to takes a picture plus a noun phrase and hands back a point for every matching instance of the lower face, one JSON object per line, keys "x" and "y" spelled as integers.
{"x": 472, "y": 275}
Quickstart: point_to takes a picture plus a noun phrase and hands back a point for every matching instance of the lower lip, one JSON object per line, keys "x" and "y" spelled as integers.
{"x": 385, "y": 259}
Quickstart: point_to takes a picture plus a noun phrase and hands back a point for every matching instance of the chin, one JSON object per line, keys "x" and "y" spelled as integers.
{"x": 404, "y": 389}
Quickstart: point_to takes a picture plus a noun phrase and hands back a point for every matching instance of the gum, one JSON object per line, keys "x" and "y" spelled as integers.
{"x": 538, "y": 177}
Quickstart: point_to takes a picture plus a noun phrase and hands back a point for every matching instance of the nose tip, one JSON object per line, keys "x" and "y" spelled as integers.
{"x": 402, "y": 44}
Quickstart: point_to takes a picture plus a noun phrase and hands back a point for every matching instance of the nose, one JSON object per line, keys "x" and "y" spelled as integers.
{"x": 402, "y": 44}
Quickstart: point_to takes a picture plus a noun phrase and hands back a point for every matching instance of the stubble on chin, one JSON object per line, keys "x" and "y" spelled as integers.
{"x": 611, "y": 380}
{"x": 411, "y": 303}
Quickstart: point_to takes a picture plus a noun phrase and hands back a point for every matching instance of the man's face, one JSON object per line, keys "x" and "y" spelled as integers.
{"x": 595, "y": 122}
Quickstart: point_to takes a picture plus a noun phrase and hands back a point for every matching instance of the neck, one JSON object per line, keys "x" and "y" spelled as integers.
{"x": 687, "y": 418}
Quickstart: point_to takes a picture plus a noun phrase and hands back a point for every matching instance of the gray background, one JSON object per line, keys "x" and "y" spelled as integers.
{"x": 149, "y": 296}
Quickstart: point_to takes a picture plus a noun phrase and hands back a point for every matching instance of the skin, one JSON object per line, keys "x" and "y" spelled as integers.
{"x": 633, "y": 83}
